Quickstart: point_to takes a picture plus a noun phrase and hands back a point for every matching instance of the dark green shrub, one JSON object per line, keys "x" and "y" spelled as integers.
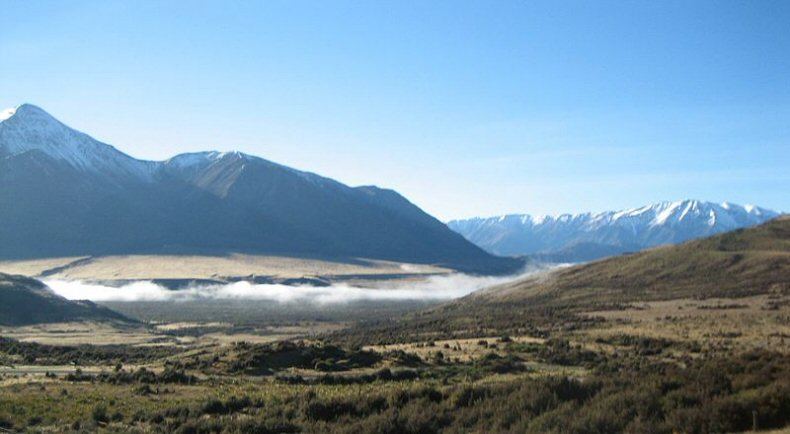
{"x": 99, "y": 413}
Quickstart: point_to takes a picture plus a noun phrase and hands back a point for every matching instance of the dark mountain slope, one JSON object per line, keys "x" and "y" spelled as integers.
{"x": 69, "y": 195}
{"x": 25, "y": 301}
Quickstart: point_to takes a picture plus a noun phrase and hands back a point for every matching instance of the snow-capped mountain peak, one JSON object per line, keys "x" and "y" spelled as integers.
{"x": 29, "y": 128}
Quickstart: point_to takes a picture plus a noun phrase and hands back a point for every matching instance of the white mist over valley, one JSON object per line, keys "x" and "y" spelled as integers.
{"x": 433, "y": 288}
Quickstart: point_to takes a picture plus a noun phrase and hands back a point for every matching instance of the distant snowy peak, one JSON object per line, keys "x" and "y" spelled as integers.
{"x": 658, "y": 214}
{"x": 635, "y": 228}
{"x": 27, "y": 128}
{"x": 723, "y": 214}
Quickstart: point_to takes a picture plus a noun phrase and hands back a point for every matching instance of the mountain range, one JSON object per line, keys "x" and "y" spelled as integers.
{"x": 67, "y": 194}
{"x": 589, "y": 236}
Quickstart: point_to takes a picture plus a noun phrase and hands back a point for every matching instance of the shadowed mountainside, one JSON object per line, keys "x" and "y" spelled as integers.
{"x": 75, "y": 196}
{"x": 25, "y": 301}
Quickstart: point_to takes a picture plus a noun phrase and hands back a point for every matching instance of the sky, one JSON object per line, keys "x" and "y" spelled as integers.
{"x": 466, "y": 108}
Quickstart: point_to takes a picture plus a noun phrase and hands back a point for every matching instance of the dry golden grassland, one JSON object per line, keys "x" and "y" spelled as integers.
{"x": 96, "y": 333}
{"x": 744, "y": 323}
{"x": 462, "y": 350}
{"x": 78, "y": 333}
{"x": 204, "y": 267}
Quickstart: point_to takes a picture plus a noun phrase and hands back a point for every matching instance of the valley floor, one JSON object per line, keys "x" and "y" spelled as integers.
{"x": 192, "y": 267}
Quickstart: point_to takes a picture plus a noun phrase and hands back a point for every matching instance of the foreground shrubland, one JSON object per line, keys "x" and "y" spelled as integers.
{"x": 620, "y": 394}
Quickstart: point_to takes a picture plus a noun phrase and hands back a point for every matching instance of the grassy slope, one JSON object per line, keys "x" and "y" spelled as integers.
{"x": 736, "y": 264}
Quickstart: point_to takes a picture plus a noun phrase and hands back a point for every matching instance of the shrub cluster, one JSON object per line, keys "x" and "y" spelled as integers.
{"x": 710, "y": 395}
{"x": 268, "y": 358}
{"x": 34, "y": 353}
{"x": 141, "y": 376}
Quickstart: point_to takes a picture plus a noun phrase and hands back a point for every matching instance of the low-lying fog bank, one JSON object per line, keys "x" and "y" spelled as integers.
{"x": 442, "y": 287}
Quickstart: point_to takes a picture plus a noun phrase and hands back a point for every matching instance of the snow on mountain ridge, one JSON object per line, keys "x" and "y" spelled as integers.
{"x": 629, "y": 229}
{"x": 197, "y": 160}
{"x": 27, "y": 128}
{"x": 192, "y": 159}
{"x": 660, "y": 213}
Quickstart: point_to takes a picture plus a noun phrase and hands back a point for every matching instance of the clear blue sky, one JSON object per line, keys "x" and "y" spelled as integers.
{"x": 467, "y": 108}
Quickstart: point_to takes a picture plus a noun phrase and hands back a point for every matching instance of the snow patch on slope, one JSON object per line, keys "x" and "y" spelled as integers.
{"x": 7, "y": 113}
